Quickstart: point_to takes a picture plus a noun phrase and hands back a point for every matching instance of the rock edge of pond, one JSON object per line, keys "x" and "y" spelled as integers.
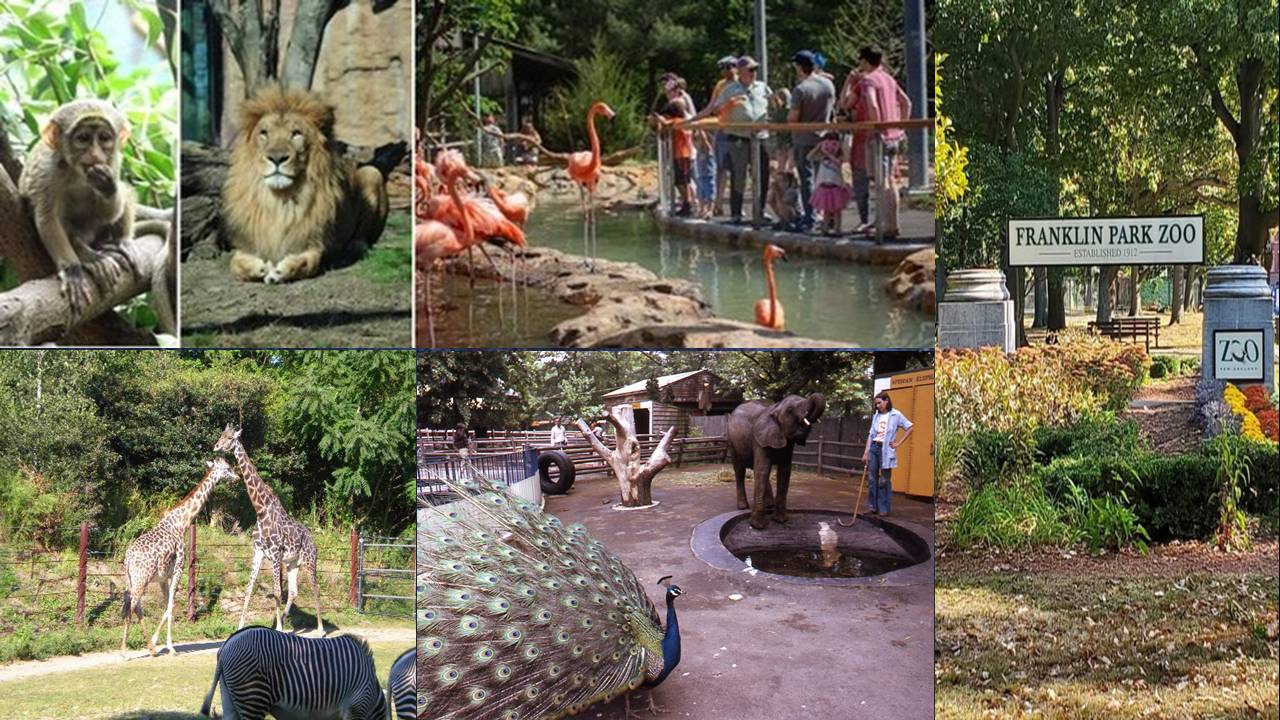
{"x": 627, "y": 306}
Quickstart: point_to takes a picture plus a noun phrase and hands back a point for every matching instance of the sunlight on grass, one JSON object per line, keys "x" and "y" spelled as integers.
{"x": 390, "y": 260}
{"x": 139, "y": 688}
{"x": 1104, "y": 647}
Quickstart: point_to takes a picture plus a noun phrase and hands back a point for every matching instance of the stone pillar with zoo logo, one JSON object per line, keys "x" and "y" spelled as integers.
{"x": 1239, "y": 326}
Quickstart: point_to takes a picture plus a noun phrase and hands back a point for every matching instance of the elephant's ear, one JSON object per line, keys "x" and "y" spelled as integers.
{"x": 817, "y": 406}
{"x": 767, "y": 430}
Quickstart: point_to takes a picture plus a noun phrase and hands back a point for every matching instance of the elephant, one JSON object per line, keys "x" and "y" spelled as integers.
{"x": 761, "y": 436}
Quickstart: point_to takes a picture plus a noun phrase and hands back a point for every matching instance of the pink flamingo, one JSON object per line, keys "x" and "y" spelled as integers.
{"x": 584, "y": 169}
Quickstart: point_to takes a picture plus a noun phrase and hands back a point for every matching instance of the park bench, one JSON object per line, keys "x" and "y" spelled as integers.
{"x": 1131, "y": 328}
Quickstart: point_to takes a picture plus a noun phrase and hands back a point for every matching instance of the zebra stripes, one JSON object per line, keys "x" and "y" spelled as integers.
{"x": 402, "y": 686}
{"x": 261, "y": 670}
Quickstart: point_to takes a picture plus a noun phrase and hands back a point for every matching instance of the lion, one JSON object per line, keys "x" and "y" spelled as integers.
{"x": 290, "y": 202}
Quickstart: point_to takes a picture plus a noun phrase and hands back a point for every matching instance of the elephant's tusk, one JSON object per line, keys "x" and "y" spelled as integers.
{"x": 806, "y": 422}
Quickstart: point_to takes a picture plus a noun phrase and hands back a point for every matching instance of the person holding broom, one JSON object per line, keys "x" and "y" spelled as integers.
{"x": 880, "y": 455}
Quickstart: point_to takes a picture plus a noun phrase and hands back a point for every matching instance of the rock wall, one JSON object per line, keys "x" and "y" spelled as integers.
{"x": 365, "y": 70}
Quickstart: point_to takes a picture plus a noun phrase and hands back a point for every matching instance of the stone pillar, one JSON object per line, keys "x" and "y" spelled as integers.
{"x": 1237, "y": 297}
{"x": 976, "y": 311}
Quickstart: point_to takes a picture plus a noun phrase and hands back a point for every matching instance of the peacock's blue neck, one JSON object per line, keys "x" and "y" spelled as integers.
{"x": 670, "y": 642}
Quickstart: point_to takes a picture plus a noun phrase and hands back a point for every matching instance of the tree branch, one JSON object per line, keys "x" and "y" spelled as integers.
{"x": 37, "y": 312}
{"x": 304, "y": 42}
{"x": 1215, "y": 94}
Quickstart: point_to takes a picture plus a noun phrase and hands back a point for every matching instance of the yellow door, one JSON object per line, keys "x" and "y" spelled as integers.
{"x": 912, "y": 394}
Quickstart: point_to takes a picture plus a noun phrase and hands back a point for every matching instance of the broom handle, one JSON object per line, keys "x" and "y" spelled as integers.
{"x": 862, "y": 485}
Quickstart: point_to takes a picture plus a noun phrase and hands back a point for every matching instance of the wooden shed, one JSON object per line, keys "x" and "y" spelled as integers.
{"x": 672, "y": 399}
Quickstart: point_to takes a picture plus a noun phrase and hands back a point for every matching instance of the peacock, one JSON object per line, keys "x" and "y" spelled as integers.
{"x": 521, "y": 617}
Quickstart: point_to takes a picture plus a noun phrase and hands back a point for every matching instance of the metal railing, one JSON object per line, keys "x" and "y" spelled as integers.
{"x": 666, "y": 166}
{"x": 509, "y": 466}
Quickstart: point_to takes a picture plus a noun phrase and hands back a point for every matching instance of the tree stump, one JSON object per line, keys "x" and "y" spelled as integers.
{"x": 635, "y": 476}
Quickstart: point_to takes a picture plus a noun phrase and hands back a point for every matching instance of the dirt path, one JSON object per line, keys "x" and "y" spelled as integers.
{"x": 367, "y": 304}
{"x": 68, "y": 663}
{"x": 1163, "y": 412}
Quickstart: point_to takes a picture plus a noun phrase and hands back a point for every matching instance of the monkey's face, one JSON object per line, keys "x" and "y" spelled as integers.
{"x": 91, "y": 142}
{"x": 283, "y": 143}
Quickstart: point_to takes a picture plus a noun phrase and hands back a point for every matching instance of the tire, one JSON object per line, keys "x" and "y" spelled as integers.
{"x": 562, "y": 462}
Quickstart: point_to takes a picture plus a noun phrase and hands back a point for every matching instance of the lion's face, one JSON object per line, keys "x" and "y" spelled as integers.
{"x": 283, "y": 141}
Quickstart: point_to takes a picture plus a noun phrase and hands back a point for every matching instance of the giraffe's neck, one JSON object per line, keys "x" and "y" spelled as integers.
{"x": 265, "y": 502}
{"x": 185, "y": 512}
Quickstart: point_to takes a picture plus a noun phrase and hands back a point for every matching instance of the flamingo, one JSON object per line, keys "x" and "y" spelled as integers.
{"x": 584, "y": 168}
{"x": 768, "y": 310}
{"x": 433, "y": 240}
{"x": 514, "y": 207}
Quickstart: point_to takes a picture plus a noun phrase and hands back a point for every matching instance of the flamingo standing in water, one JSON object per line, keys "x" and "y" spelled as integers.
{"x": 768, "y": 310}
{"x": 584, "y": 168}
{"x": 433, "y": 239}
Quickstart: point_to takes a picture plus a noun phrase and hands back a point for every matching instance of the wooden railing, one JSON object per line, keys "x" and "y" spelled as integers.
{"x": 666, "y": 165}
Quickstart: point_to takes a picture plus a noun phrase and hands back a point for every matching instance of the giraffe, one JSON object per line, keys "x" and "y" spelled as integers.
{"x": 159, "y": 553}
{"x": 277, "y": 537}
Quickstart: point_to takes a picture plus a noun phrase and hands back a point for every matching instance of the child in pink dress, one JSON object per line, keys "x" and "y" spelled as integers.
{"x": 830, "y": 194}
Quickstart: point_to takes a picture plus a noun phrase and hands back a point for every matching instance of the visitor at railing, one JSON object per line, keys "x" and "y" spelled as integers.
{"x": 745, "y": 100}
{"x": 832, "y": 194}
{"x": 811, "y": 101}
{"x": 784, "y": 198}
{"x": 877, "y": 97}
{"x": 704, "y": 174}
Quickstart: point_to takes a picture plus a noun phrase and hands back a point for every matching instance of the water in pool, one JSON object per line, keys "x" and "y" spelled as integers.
{"x": 823, "y": 299}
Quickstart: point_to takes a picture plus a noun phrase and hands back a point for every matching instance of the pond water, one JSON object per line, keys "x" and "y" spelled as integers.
{"x": 813, "y": 562}
{"x": 824, "y": 299}
{"x": 490, "y": 315}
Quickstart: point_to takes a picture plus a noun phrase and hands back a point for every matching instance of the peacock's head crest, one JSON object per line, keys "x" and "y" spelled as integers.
{"x": 673, "y": 591}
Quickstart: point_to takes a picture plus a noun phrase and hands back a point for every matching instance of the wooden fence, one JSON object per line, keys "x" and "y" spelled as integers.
{"x": 819, "y": 454}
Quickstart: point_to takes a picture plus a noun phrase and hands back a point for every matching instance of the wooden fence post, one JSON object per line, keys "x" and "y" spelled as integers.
{"x": 84, "y": 565}
{"x": 355, "y": 569}
{"x": 191, "y": 573}
{"x": 819, "y": 456}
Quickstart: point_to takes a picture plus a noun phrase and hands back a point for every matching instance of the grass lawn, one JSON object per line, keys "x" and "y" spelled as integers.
{"x": 164, "y": 688}
{"x": 1112, "y": 641}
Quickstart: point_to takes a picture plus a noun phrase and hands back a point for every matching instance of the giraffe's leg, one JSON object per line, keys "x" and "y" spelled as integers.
{"x": 129, "y": 600}
{"x": 315, "y": 583}
{"x": 253, "y": 578}
{"x": 293, "y": 590}
{"x": 277, "y": 581}
{"x": 175, "y": 574}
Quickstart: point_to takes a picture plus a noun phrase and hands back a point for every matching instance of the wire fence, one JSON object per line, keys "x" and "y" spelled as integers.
{"x": 370, "y": 573}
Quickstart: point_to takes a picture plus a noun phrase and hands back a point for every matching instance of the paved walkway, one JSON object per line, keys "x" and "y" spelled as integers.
{"x": 783, "y": 650}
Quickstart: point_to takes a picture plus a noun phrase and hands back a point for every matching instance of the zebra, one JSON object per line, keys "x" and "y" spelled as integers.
{"x": 263, "y": 670}
{"x": 402, "y": 686}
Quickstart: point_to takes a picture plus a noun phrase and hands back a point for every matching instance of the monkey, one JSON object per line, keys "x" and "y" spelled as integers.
{"x": 83, "y": 210}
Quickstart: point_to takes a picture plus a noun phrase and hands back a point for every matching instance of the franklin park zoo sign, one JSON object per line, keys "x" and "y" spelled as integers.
{"x": 1169, "y": 240}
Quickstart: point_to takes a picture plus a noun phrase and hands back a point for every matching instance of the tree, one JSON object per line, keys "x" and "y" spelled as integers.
{"x": 252, "y": 31}
{"x": 1229, "y": 50}
{"x": 635, "y": 476}
{"x": 455, "y": 44}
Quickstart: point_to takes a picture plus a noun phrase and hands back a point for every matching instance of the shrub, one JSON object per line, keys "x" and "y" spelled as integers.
{"x": 604, "y": 76}
{"x": 1172, "y": 496}
{"x": 988, "y": 389}
{"x": 1095, "y": 433}
{"x": 1165, "y": 366}
{"x": 1105, "y": 522}
{"x": 1013, "y": 515}
{"x": 984, "y": 455}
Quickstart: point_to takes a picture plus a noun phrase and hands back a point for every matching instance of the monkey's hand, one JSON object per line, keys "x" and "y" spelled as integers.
{"x": 108, "y": 267}
{"x": 75, "y": 287}
{"x": 102, "y": 179}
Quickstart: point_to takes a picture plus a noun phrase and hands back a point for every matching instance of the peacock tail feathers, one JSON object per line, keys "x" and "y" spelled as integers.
{"x": 521, "y": 617}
